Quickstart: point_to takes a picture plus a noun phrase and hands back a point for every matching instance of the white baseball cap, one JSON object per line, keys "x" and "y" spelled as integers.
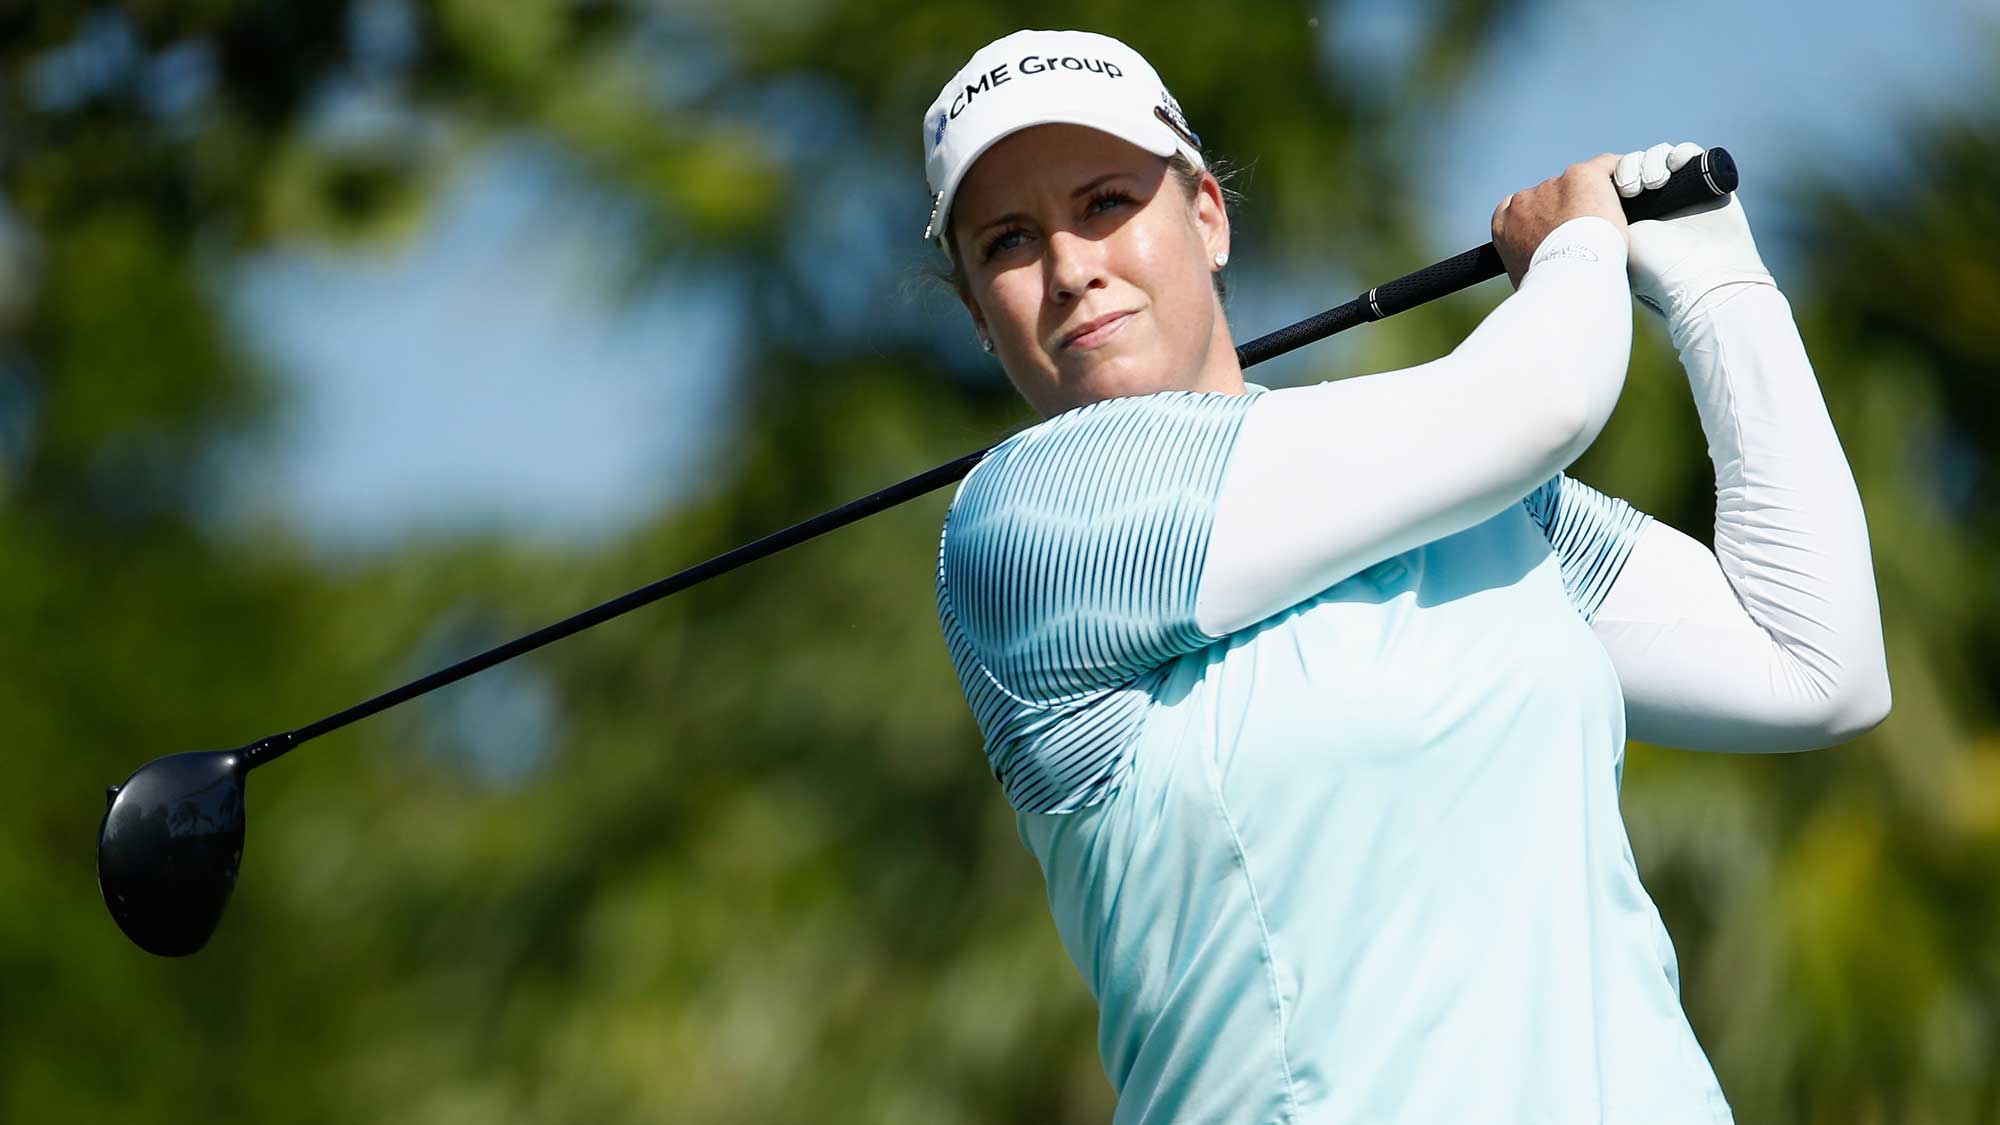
{"x": 1043, "y": 78}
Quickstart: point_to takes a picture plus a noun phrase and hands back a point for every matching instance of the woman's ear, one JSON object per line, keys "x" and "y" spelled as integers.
{"x": 1211, "y": 218}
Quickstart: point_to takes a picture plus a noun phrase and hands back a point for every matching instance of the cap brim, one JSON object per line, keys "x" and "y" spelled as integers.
{"x": 1160, "y": 141}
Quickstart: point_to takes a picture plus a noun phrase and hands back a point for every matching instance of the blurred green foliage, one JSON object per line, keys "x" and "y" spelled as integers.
{"x": 764, "y": 875}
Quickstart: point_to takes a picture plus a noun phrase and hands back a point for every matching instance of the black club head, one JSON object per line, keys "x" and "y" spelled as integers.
{"x": 170, "y": 847}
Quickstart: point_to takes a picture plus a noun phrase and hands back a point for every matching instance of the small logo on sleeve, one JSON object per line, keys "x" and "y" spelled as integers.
{"x": 1567, "y": 250}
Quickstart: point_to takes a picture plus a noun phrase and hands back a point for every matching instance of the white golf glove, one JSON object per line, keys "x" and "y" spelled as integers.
{"x": 1680, "y": 258}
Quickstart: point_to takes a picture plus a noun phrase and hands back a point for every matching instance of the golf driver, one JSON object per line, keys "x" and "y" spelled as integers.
{"x": 171, "y": 843}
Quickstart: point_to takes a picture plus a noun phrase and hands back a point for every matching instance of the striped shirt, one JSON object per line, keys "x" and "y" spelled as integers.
{"x": 1360, "y": 861}
{"x": 1069, "y": 564}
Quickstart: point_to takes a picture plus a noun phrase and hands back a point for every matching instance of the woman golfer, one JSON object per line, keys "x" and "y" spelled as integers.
{"x": 1312, "y": 702}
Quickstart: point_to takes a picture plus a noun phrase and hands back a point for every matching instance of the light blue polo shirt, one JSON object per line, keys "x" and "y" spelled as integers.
{"x": 1359, "y": 862}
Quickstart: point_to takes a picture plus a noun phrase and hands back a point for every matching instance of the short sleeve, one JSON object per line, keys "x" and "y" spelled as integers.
{"x": 1067, "y": 576}
{"x": 1591, "y": 534}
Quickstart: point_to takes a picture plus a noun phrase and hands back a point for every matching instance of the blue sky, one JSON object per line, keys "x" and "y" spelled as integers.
{"x": 478, "y": 378}
{"x": 482, "y": 375}
{"x": 1787, "y": 87}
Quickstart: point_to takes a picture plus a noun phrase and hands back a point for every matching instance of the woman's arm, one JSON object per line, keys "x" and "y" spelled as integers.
{"x": 1424, "y": 452}
{"x": 1772, "y": 642}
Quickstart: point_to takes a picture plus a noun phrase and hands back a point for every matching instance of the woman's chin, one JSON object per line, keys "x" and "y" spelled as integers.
{"x": 1113, "y": 372}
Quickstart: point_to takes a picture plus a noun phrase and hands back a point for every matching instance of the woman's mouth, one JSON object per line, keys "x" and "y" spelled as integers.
{"x": 1095, "y": 333}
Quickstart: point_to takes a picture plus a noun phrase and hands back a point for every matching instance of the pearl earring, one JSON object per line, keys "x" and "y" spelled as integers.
{"x": 1221, "y": 259}
{"x": 987, "y": 344}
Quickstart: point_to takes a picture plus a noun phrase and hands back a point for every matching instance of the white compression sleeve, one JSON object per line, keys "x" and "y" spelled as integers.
{"x": 1329, "y": 479}
{"x": 1774, "y": 641}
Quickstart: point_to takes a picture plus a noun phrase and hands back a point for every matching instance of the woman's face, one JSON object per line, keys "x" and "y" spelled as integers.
{"x": 1089, "y": 269}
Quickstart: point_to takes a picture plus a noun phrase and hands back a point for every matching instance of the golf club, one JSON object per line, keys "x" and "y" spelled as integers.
{"x": 171, "y": 843}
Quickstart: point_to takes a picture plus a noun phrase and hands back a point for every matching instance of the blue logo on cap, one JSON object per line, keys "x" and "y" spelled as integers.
{"x": 938, "y": 138}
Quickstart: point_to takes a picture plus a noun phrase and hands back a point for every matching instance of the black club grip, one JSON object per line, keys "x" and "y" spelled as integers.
{"x": 1711, "y": 175}
{"x": 1708, "y": 176}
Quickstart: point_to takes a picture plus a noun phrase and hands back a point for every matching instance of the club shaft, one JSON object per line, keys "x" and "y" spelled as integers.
{"x": 266, "y": 749}
{"x": 1709, "y": 176}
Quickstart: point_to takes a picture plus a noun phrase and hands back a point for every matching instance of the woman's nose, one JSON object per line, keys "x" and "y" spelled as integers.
{"x": 1074, "y": 264}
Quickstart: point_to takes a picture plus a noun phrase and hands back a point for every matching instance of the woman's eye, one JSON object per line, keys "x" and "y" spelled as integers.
{"x": 1014, "y": 236}
{"x": 1104, "y": 201}
{"x": 1004, "y": 241}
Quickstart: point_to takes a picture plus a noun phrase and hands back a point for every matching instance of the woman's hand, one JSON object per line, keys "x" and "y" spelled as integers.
{"x": 1678, "y": 259}
{"x": 1526, "y": 217}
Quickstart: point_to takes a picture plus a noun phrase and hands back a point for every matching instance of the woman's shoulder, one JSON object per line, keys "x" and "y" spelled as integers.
{"x": 1083, "y": 441}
